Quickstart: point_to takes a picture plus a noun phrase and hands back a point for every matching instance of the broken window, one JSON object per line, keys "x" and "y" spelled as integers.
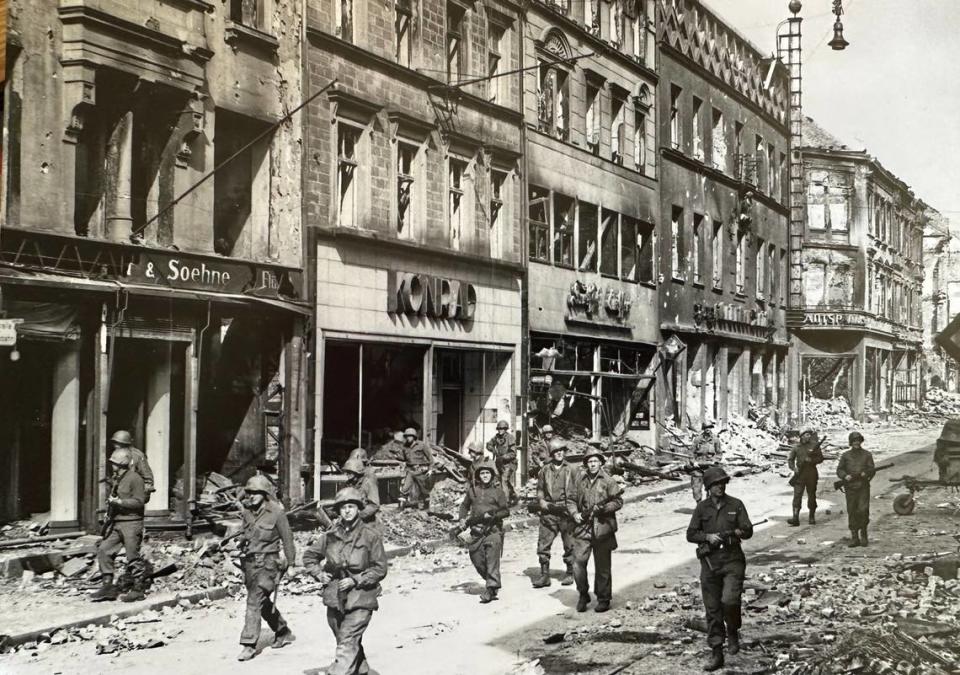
{"x": 241, "y": 187}
{"x": 784, "y": 179}
{"x": 348, "y": 163}
{"x": 698, "y": 130}
{"x": 553, "y": 101}
{"x": 617, "y": 111}
{"x": 249, "y": 13}
{"x": 616, "y": 24}
{"x": 344, "y": 19}
{"x": 697, "y": 248}
{"x": 676, "y": 137}
{"x": 638, "y": 29}
{"x": 676, "y": 243}
{"x": 717, "y": 251}
{"x": 495, "y": 60}
{"x": 609, "y": 243}
{"x": 564, "y": 212}
{"x": 761, "y": 270}
{"x": 592, "y": 119}
{"x": 761, "y": 169}
{"x": 771, "y": 169}
{"x": 773, "y": 273}
{"x": 718, "y": 154}
{"x": 591, "y": 16}
{"x": 646, "y": 257}
{"x": 640, "y": 142}
{"x": 456, "y": 208}
{"x": 455, "y": 24}
{"x": 539, "y": 223}
{"x": 403, "y": 18}
{"x": 628, "y": 249}
{"x": 587, "y": 238}
{"x": 406, "y": 184}
{"x": 741, "y": 277}
{"x": 499, "y": 211}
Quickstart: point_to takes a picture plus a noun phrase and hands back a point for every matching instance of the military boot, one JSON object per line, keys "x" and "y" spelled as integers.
{"x": 135, "y": 594}
{"x": 582, "y": 602}
{"x": 793, "y": 522}
{"x": 544, "y": 579}
{"x": 107, "y": 591}
{"x": 716, "y": 660}
{"x": 283, "y": 638}
{"x": 567, "y": 579}
{"x": 863, "y": 537}
{"x": 733, "y": 641}
{"x": 854, "y": 539}
{"x": 813, "y": 517}
{"x": 487, "y": 596}
{"x": 246, "y": 653}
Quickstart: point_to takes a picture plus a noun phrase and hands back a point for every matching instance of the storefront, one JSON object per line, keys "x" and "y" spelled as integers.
{"x": 407, "y": 338}
{"x": 192, "y": 355}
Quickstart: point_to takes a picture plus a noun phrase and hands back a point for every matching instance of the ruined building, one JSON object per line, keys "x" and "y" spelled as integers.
{"x": 589, "y": 107}
{"x": 413, "y": 203}
{"x": 721, "y": 261}
{"x": 858, "y": 332}
{"x": 940, "y": 301}
{"x": 149, "y": 253}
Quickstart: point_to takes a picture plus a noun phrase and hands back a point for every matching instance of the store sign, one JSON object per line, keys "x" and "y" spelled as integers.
{"x": 424, "y": 295}
{"x": 8, "y": 332}
{"x": 833, "y": 319}
{"x": 202, "y": 274}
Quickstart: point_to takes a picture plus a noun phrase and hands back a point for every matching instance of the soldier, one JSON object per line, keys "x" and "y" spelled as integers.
{"x": 365, "y": 481}
{"x": 476, "y": 459}
{"x": 483, "y": 509}
{"x": 122, "y": 439}
{"x": 504, "y": 452}
{"x": 350, "y": 561}
{"x": 717, "y": 526}
{"x": 706, "y": 453}
{"x": 124, "y": 528}
{"x": 593, "y": 499}
{"x": 856, "y": 470}
{"x": 803, "y": 461}
{"x": 551, "y": 495}
{"x": 361, "y": 455}
{"x": 417, "y": 482}
{"x": 265, "y": 530}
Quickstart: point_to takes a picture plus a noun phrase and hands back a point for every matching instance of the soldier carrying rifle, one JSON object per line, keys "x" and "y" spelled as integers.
{"x": 803, "y": 461}
{"x": 483, "y": 509}
{"x": 554, "y": 520}
{"x": 856, "y": 469}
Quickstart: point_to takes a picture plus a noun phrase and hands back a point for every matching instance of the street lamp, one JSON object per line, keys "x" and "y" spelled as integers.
{"x": 838, "y": 44}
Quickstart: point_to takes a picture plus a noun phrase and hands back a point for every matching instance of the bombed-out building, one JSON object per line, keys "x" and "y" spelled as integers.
{"x": 722, "y": 255}
{"x": 413, "y": 203}
{"x": 151, "y": 251}
{"x": 857, "y": 334}
{"x": 590, "y": 91}
{"x": 940, "y": 300}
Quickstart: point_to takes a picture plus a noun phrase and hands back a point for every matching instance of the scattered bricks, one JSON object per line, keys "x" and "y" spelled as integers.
{"x": 74, "y": 566}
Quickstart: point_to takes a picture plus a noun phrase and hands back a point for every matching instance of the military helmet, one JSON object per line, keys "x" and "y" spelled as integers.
{"x": 546, "y": 429}
{"x": 502, "y": 424}
{"x": 122, "y": 437}
{"x": 855, "y": 436}
{"x": 410, "y": 431}
{"x": 353, "y": 465}
{"x": 258, "y": 483}
{"x": 713, "y": 475}
{"x": 475, "y": 447}
{"x": 594, "y": 452}
{"x": 359, "y": 454}
{"x": 121, "y": 457}
{"x": 348, "y": 495}
{"x": 486, "y": 465}
{"x": 557, "y": 444}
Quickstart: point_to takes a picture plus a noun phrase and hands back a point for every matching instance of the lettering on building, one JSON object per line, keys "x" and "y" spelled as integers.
{"x": 424, "y": 295}
{"x": 833, "y": 319}
{"x": 590, "y": 301}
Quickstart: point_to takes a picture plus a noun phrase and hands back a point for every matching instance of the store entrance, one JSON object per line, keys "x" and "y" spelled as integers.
{"x": 450, "y": 414}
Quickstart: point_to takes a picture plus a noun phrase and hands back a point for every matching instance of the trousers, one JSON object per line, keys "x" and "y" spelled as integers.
{"x": 508, "y": 479}
{"x": 721, "y": 588}
{"x": 806, "y": 482}
{"x": 416, "y": 485}
{"x": 260, "y": 576}
{"x": 858, "y": 506}
{"x": 603, "y": 574}
{"x": 696, "y": 485}
{"x": 348, "y": 628}
{"x": 550, "y": 527}
{"x": 485, "y": 555}
{"x": 127, "y": 534}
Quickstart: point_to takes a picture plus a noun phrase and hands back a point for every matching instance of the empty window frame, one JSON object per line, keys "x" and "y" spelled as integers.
{"x": 698, "y": 248}
{"x": 718, "y": 150}
{"x": 564, "y": 218}
{"x": 407, "y": 169}
{"x": 758, "y": 158}
{"x": 640, "y": 142}
{"x": 499, "y": 210}
{"x": 676, "y": 126}
{"x": 610, "y": 243}
{"x": 553, "y": 101}
{"x": 348, "y": 166}
{"x": 629, "y": 248}
{"x": 761, "y": 270}
{"x": 741, "y": 271}
{"x": 496, "y": 44}
{"x": 698, "y": 130}
{"x": 717, "y": 255}
{"x": 587, "y": 232}
{"x": 455, "y": 42}
{"x": 647, "y": 253}
{"x": 618, "y": 108}
{"x": 638, "y": 30}
{"x": 772, "y": 173}
{"x": 249, "y": 13}
{"x": 456, "y": 202}
{"x": 592, "y": 119}
{"x": 402, "y": 22}
{"x": 538, "y": 217}
{"x": 676, "y": 244}
{"x": 343, "y": 19}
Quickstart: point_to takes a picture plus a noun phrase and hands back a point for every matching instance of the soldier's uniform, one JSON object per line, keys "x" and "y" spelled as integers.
{"x": 552, "y": 485}
{"x": 722, "y": 568}
{"x": 504, "y": 452}
{"x": 126, "y": 530}
{"x": 484, "y": 507}
{"x": 602, "y": 495}
{"x": 417, "y": 482}
{"x": 349, "y": 551}
{"x": 476, "y": 459}
{"x": 858, "y": 464}
{"x": 138, "y": 459}
{"x": 265, "y": 532}
{"x": 803, "y": 460}
{"x": 706, "y": 453}
{"x": 366, "y": 482}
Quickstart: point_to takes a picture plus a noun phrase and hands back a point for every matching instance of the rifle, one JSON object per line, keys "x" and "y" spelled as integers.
{"x": 794, "y": 479}
{"x": 644, "y": 471}
{"x": 591, "y": 513}
{"x": 111, "y": 514}
{"x": 704, "y": 549}
{"x": 553, "y": 509}
{"x": 841, "y": 484}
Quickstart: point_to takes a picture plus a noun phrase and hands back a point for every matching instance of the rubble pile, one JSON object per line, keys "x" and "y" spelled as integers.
{"x": 832, "y": 413}
{"x": 942, "y": 403}
{"x": 747, "y": 448}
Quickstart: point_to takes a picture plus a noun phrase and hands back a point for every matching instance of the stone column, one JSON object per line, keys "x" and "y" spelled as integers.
{"x": 157, "y": 435}
{"x": 117, "y": 180}
{"x": 65, "y": 436}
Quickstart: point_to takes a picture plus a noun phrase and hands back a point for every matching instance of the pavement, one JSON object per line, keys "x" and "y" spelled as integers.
{"x": 430, "y": 619}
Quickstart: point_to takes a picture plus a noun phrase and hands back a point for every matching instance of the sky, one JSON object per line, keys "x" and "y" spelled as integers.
{"x": 894, "y": 91}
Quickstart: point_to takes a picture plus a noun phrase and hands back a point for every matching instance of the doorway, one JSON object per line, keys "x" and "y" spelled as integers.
{"x": 450, "y": 413}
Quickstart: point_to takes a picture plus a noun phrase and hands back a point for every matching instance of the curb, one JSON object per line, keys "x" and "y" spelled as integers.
{"x": 220, "y": 592}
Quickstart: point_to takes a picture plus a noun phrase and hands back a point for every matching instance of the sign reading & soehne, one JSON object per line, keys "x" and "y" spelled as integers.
{"x": 194, "y": 273}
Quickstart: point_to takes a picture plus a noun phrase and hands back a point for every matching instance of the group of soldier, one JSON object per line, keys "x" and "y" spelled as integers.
{"x": 578, "y": 504}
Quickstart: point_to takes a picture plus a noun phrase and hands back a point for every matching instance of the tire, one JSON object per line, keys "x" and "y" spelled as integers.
{"x": 904, "y": 504}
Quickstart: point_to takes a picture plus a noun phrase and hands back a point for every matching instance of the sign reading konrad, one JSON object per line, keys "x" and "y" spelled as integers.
{"x": 424, "y": 295}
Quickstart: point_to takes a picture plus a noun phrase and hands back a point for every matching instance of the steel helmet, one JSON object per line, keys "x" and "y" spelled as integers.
{"x": 855, "y": 436}
{"x": 502, "y": 425}
{"x": 557, "y": 444}
{"x": 475, "y": 448}
{"x": 359, "y": 454}
{"x": 546, "y": 429}
{"x": 594, "y": 452}
{"x": 258, "y": 483}
{"x": 486, "y": 465}
{"x": 121, "y": 457}
{"x": 410, "y": 431}
{"x": 353, "y": 465}
{"x": 122, "y": 437}
{"x": 348, "y": 495}
{"x": 713, "y": 475}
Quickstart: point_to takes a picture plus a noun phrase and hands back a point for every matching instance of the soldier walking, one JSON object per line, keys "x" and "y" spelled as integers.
{"x": 417, "y": 482}
{"x": 483, "y": 509}
{"x": 706, "y": 453}
{"x": 856, "y": 469}
{"x": 124, "y": 528}
{"x": 350, "y": 561}
{"x": 122, "y": 440}
{"x": 554, "y": 519}
{"x": 364, "y": 480}
{"x": 504, "y": 452}
{"x": 265, "y": 531}
{"x": 593, "y": 499}
{"x": 803, "y": 461}
{"x": 475, "y": 451}
{"x": 717, "y": 526}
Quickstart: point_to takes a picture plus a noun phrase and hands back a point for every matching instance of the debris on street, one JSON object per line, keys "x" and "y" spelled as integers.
{"x": 833, "y": 413}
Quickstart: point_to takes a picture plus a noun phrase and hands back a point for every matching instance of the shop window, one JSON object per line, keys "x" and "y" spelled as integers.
{"x": 640, "y": 142}
{"x": 698, "y": 249}
{"x": 553, "y": 101}
{"x": 717, "y": 255}
{"x": 344, "y": 19}
{"x": 587, "y": 227}
{"x": 348, "y": 163}
{"x": 761, "y": 270}
{"x": 403, "y": 19}
{"x": 617, "y": 124}
{"x": 592, "y": 119}
{"x": 499, "y": 211}
{"x": 676, "y": 137}
{"x": 646, "y": 258}
{"x": 249, "y": 13}
{"x": 455, "y": 42}
{"x": 564, "y": 213}
{"x": 538, "y": 218}
{"x": 628, "y": 249}
{"x": 718, "y": 150}
{"x": 676, "y": 243}
{"x": 609, "y": 243}
{"x": 495, "y": 61}
{"x": 242, "y": 186}
{"x": 407, "y": 188}
{"x": 456, "y": 206}
{"x": 741, "y": 272}
{"x": 698, "y": 130}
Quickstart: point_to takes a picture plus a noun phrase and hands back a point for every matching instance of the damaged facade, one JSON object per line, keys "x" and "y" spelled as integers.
{"x": 590, "y": 90}
{"x": 858, "y": 331}
{"x": 941, "y": 299}
{"x": 724, "y": 144}
{"x": 172, "y": 318}
{"x": 413, "y": 203}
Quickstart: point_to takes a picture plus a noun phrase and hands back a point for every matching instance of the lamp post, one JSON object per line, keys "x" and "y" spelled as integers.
{"x": 838, "y": 43}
